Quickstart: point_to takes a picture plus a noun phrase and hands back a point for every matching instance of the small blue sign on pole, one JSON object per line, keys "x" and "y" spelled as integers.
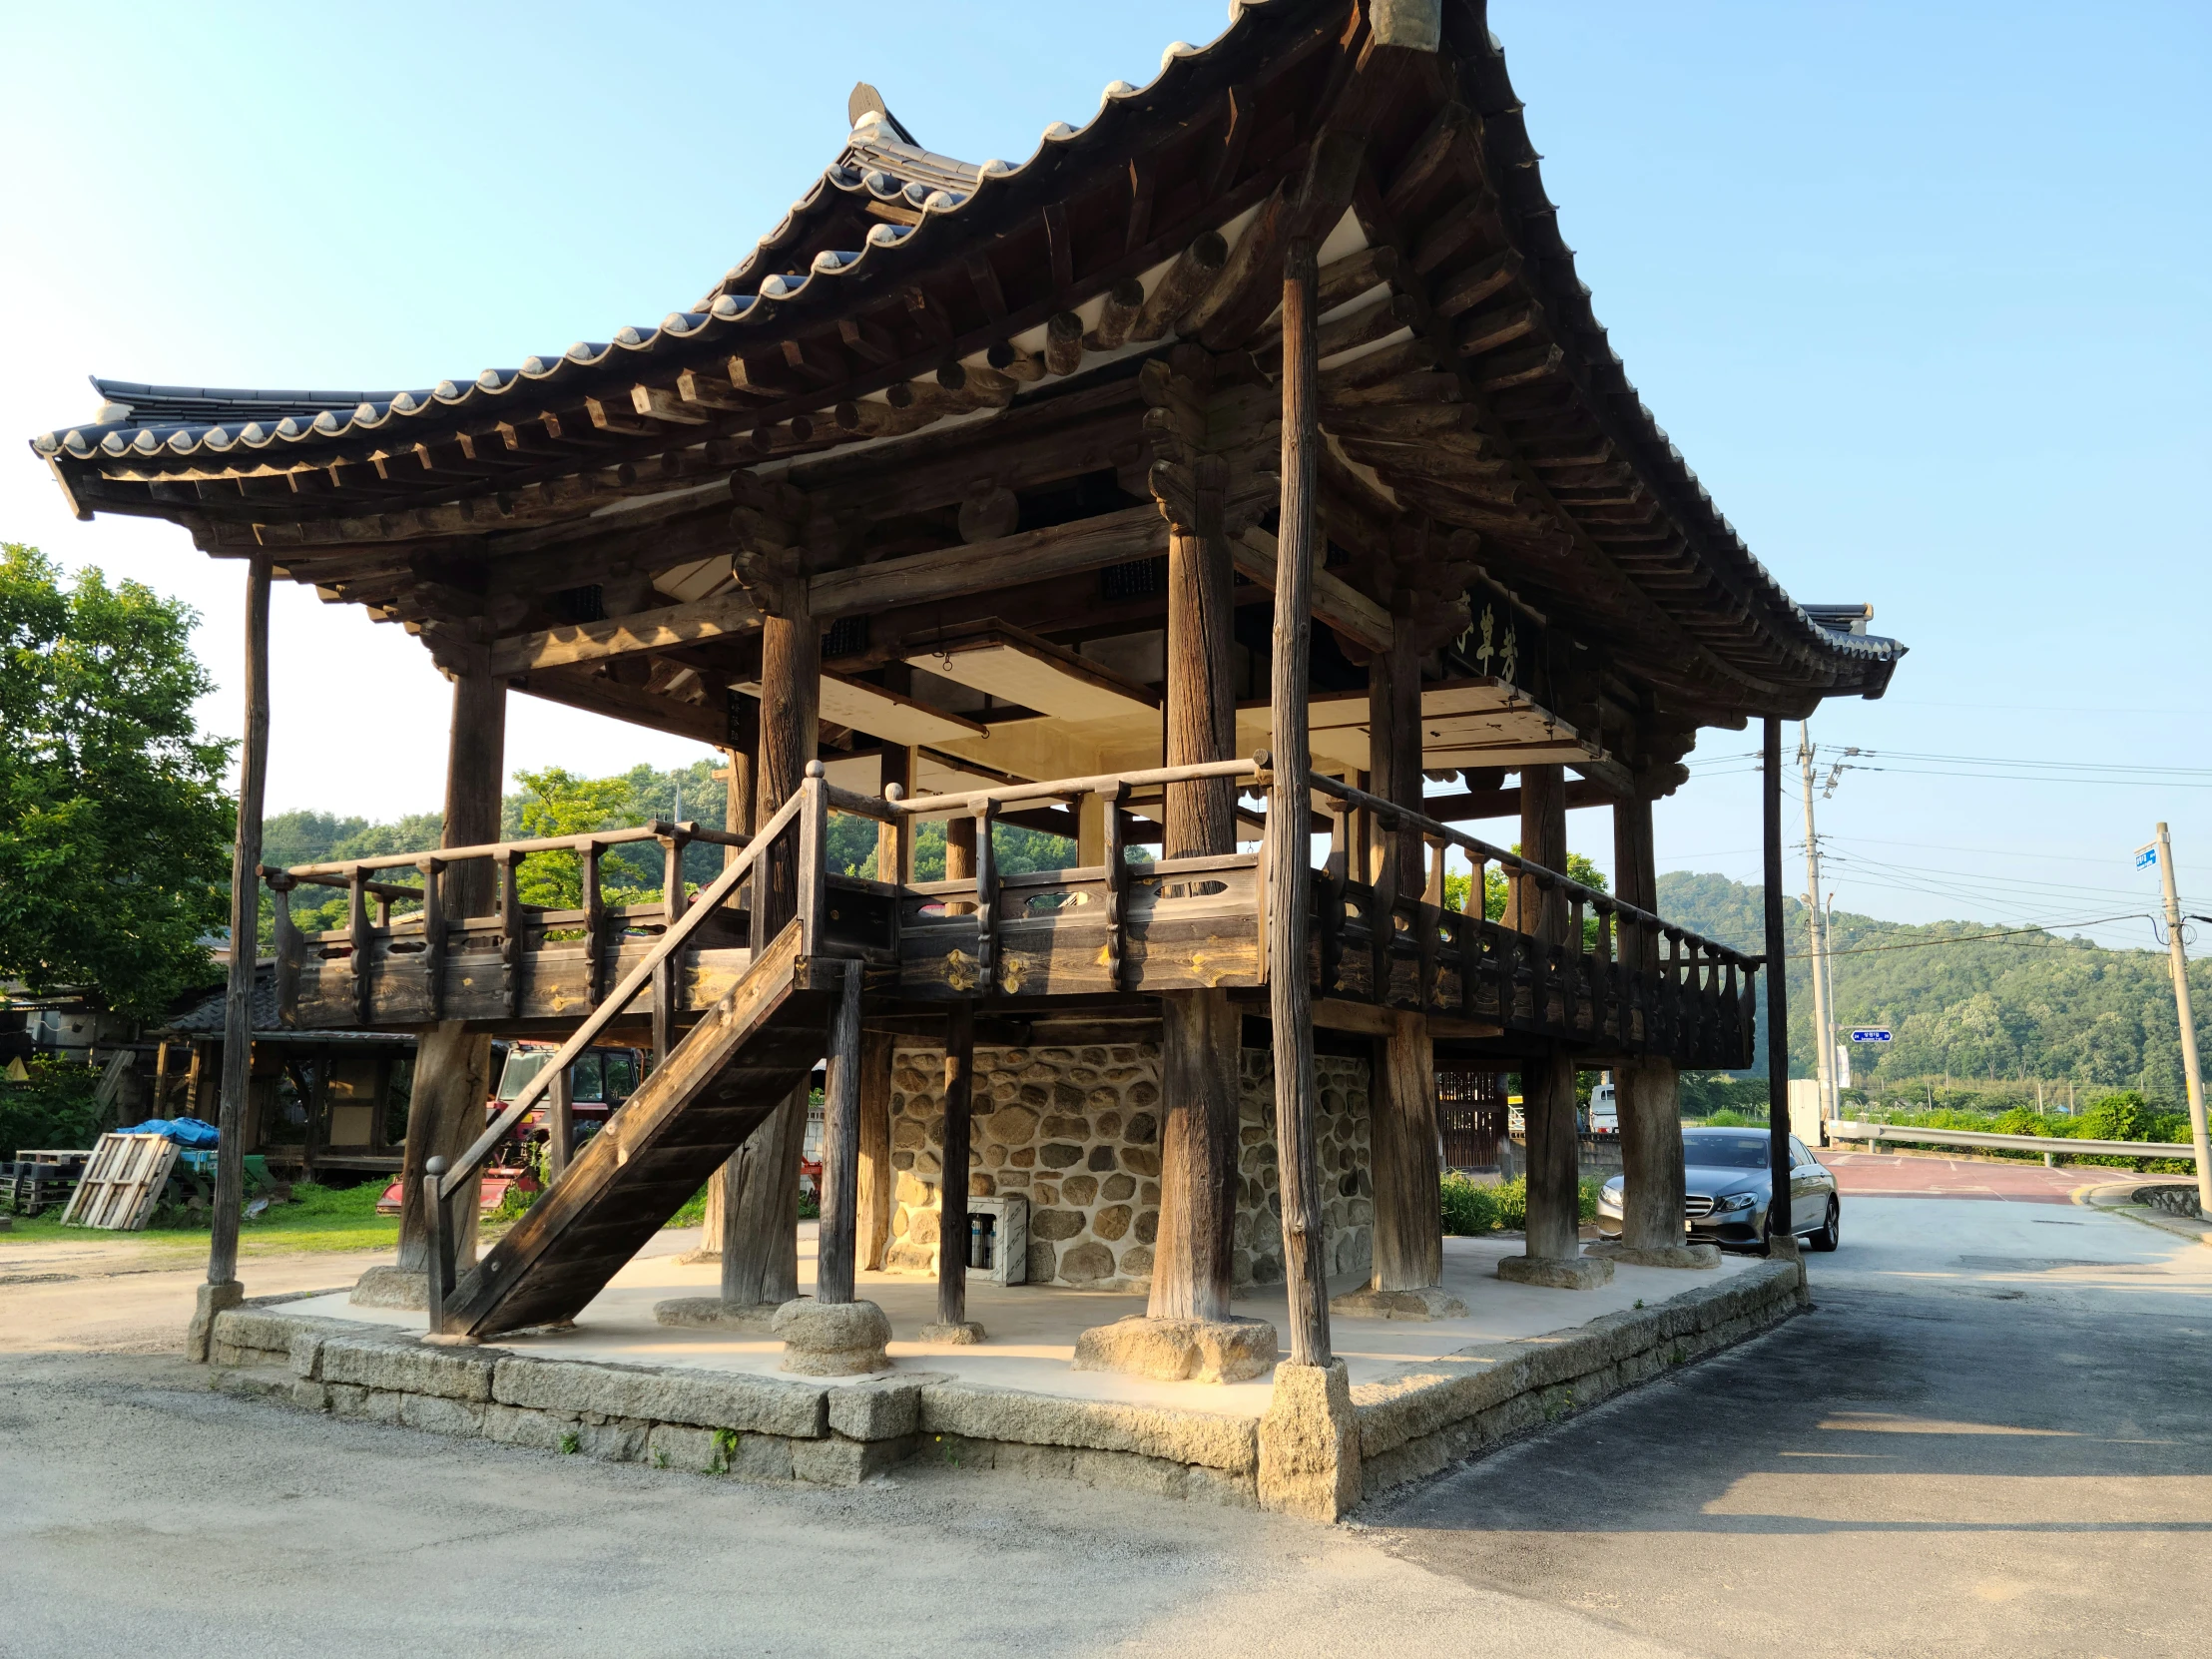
{"x": 2145, "y": 857}
{"x": 1876, "y": 1034}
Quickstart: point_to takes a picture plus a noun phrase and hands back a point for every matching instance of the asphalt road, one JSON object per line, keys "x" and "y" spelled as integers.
{"x": 1992, "y": 1435}
{"x": 1970, "y": 1446}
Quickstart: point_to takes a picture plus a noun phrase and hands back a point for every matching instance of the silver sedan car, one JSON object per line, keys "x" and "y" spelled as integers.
{"x": 1727, "y": 1188}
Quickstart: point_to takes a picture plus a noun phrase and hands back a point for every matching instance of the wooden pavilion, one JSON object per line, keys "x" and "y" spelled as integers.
{"x": 1200, "y": 486}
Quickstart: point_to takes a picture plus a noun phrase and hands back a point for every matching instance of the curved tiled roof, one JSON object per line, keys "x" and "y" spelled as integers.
{"x": 836, "y": 246}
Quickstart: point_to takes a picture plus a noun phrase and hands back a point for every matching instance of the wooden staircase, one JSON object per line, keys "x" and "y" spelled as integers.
{"x": 741, "y": 1060}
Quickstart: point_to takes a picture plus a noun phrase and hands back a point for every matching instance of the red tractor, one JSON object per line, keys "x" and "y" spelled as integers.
{"x": 600, "y": 1079}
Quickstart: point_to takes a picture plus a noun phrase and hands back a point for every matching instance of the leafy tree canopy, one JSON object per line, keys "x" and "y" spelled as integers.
{"x": 115, "y": 832}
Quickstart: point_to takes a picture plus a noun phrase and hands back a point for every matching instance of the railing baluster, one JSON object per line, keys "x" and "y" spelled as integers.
{"x": 811, "y": 889}
{"x": 595, "y": 921}
{"x": 667, "y": 977}
{"x": 1117, "y": 887}
{"x": 986, "y": 897}
{"x": 510, "y": 930}
{"x": 291, "y": 949}
{"x": 433, "y": 935}
{"x": 357, "y": 928}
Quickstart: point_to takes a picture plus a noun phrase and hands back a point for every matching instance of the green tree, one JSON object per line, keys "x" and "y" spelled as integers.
{"x": 115, "y": 832}
{"x": 556, "y": 802}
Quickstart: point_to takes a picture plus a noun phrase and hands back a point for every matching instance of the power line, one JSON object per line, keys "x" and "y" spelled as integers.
{"x": 1976, "y": 938}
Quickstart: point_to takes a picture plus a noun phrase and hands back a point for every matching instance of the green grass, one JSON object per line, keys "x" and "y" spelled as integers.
{"x": 318, "y": 1218}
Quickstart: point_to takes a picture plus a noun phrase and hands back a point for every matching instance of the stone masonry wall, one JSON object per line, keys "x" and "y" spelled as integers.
{"x": 1077, "y": 1130}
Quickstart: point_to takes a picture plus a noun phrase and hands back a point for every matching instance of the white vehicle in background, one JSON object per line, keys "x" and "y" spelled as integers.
{"x": 1605, "y": 1118}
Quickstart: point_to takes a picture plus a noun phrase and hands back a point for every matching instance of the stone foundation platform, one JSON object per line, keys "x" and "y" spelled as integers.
{"x": 1412, "y": 1419}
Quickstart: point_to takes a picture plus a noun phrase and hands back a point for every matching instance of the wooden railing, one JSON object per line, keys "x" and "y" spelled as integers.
{"x": 1644, "y": 981}
{"x": 1606, "y": 972}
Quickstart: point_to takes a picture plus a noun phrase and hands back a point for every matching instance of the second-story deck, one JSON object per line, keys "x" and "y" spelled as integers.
{"x": 1604, "y": 975}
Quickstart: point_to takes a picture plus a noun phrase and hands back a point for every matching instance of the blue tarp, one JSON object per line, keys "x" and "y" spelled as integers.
{"x": 189, "y": 1131}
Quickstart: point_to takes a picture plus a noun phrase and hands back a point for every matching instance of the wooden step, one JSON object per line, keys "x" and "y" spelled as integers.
{"x": 741, "y": 1061}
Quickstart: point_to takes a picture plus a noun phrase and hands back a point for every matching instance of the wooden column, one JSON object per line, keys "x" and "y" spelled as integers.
{"x": 1401, "y": 1115}
{"x": 453, "y": 1065}
{"x": 1198, "y": 1030}
{"x": 879, "y": 1181}
{"x": 952, "y": 1191}
{"x": 445, "y": 1113}
{"x": 894, "y": 842}
{"x": 738, "y": 794}
{"x": 760, "y": 1239}
{"x": 1646, "y": 1087}
{"x": 245, "y": 920}
{"x": 836, "y": 1251}
{"x": 759, "y": 1214}
{"x": 1401, "y": 1098}
{"x": 1554, "y": 1157}
{"x": 1777, "y": 991}
{"x": 1290, "y": 989}
{"x": 560, "y": 1123}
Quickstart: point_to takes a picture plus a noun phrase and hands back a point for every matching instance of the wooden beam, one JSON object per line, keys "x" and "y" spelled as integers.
{"x": 1032, "y": 556}
{"x": 711, "y": 618}
{"x": 579, "y": 690}
{"x": 1335, "y": 601}
{"x": 1481, "y": 804}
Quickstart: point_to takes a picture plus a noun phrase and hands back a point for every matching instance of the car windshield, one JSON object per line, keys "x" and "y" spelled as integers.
{"x": 1725, "y": 1151}
{"x": 522, "y": 1065}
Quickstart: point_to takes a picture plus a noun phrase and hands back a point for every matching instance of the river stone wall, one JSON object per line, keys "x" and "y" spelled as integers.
{"x": 1077, "y": 1130}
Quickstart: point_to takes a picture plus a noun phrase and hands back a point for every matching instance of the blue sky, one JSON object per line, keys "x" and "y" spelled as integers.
{"x": 1919, "y": 291}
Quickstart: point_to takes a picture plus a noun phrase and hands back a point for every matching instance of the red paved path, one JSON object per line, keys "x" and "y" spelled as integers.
{"x": 1886, "y": 1175}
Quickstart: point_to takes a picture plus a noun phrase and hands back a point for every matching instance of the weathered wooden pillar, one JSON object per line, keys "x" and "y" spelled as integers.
{"x": 879, "y": 1181}
{"x": 1781, "y": 1236}
{"x": 759, "y": 1236}
{"x": 835, "y": 1257}
{"x": 952, "y": 1323}
{"x": 739, "y": 784}
{"x": 1200, "y": 1030}
{"x": 1401, "y": 1093}
{"x": 223, "y": 1289}
{"x": 1646, "y": 1087}
{"x": 1554, "y": 1249}
{"x": 894, "y": 841}
{"x": 452, "y": 1076}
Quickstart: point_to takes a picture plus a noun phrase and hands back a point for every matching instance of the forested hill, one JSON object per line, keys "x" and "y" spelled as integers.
{"x": 2032, "y": 1005}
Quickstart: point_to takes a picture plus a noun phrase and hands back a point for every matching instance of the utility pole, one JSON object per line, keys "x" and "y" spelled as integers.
{"x": 2197, "y": 1132}
{"x": 1823, "y": 1044}
{"x": 1828, "y": 961}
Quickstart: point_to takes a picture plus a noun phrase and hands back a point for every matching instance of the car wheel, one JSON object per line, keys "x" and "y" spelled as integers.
{"x": 1831, "y": 1233}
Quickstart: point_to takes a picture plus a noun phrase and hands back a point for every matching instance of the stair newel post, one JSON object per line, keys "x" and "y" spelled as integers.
{"x": 841, "y": 1146}
{"x": 560, "y": 1121}
{"x": 667, "y": 977}
{"x": 440, "y": 1238}
{"x": 813, "y": 889}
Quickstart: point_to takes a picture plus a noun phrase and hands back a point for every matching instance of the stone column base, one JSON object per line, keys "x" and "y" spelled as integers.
{"x": 1559, "y": 1273}
{"x": 833, "y": 1339}
{"x": 1787, "y": 1249}
{"x": 1430, "y": 1301}
{"x": 390, "y": 1287}
{"x": 1656, "y": 1256}
{"x": 214, "y": 1299}
{"x": 966, "y": 1332}
{"x": 1177, "y": 1351}
{"x": 711, "y": 1313}
{"x": 1310, "y": 1443}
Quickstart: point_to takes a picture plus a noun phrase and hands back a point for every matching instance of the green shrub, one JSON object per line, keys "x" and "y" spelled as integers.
{"x": 1472, "y": 1208}
{"x": 53, "y": 1110}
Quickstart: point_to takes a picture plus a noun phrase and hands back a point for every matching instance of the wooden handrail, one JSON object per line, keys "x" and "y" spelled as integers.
{"x": 705, "y": 905}
{"x": 658, "y": 830}
{"x": 1391, "y": 815}
{"x": 933, "y": 806}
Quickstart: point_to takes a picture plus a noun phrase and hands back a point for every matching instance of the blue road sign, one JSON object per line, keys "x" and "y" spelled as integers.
{"x": 1876, "y": 1036}
{"x": 2145, "y": 857}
